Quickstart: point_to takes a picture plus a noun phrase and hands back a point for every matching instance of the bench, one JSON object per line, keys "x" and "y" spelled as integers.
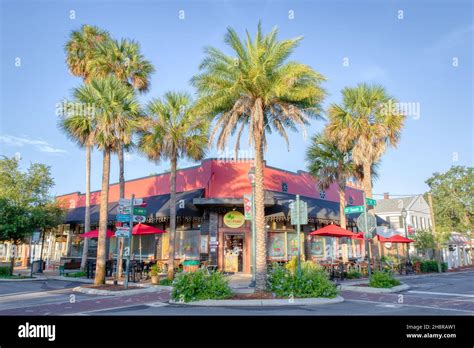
{"x": 68, "y": 264}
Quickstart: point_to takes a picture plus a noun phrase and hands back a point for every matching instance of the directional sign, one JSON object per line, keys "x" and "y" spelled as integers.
{"x": 126, "y": 201}
{"x": 123, "y": 217}
{"x": 139, "y": 211}
{"x": 371, "y": 224}
{"x": 303, "y": 218}
{"x": 354, "y": 209}
{"x": 124, "y": 209}
{"x": 139, "y": 218}
{"x": 122, "y": 232}
{"x": 370, "y": 201}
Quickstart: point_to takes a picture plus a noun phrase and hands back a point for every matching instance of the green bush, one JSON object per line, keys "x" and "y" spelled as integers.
{"x": 5, "y": 271}
{"x": 353, "y": 275}
{"x": 312, "y": 282}
{"x": 76, "y": 274}
{"x": 200, "y": 285}
{"x": 429, "y": 266}
{"x": 444, "y": 266}
{"x": 166, "y": 281}
{"x": 383, "y": 280}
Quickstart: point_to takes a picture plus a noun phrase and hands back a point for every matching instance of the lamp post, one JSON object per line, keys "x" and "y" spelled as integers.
{"x": 404, "y": 216}
{"x": 251, "y": 176}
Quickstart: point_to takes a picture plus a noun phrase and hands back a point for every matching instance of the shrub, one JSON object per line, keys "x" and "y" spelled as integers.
{"x": 383, "y": 280}
{"x": 5, "y": 271}
{"x": 200, "y": 285}
{"x": 312, "y": 282}
{"x": 166, "y": 281}
{"x": 429, "y": 266}
{"x": 76, "y": 274}
{"x": 444, "y": 266}
{"x": 353, "y": 275}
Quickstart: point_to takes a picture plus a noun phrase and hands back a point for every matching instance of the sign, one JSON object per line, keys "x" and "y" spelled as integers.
{"x": 124, "y": 209}
{"x": 354, "y": 209}
{"x": 122, "y": 232}
{"x": 248, "y": 207}
{"x": 303, "y": 218}
{"x": 123, "y": 217}
{"x": 366, "y": 219}
{"x": 139, "y": 211}
{"x": 139, "y": 218}
{"x": 127, "y": 201}
{"x": 410, "y": 229}
{"x": 371, "y": 201}
{"x": 234, "y": 219}
{"x": 388, "y": 245}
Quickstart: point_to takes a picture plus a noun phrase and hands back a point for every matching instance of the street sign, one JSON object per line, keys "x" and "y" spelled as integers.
{"x": 127, "y": 201}
{"x": 139, "y": 218}
{"x": 122, "y": 232}
{"x": 123, "y": 209}
{"x": 303, "y": 218}
{"x": 248, "y": 207}
{"x": 139, "y": 211}
{"x": 123, "y": 217}
{"x": 371, "y": 201}
{"x": 410, "y": 229}
{"x": 354, "y": 209}
{"x": 371, "y": 223}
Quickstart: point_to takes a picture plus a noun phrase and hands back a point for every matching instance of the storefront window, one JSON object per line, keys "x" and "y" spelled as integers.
{"x": 276, "y": 245}
{"x": 187, "y": 244}
{"x": 317, "y": 247}
{"x": 147, "y": 246}
{"x": 293, "y": 245}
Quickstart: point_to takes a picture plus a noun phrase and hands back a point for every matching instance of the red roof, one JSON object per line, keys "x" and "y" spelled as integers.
{"x": 332, "y": 231}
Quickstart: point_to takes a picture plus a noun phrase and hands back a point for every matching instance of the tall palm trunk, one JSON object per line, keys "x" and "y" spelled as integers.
{"x": 342, "y": 205}
{"x": 120, "y": 241}
{"x": 174, "y": 161}
{"x": 261, "y": 237}
{"x": 104, "y": 199}
{"x": 87, "y": 219}
{"x": 367, "y": 181}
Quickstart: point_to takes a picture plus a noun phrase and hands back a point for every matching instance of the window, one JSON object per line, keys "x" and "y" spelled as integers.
{"x": 284, "y": 245}
{"x": 394, "y": 222}
{"x": 187, "y": 244}
{"x": 284, "y": 187}
{"x": 322, "y": 194}
{"x": 351, "y": 200}
{"x": 401, "y": 222}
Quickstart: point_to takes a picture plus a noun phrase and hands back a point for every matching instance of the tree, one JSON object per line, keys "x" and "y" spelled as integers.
{"x": 80, "y": 51}
{"x": 258, "y": 88}
{"x": 367, "y": 121}
{"x": 328, "y": 164}
{"x": 25, "y": 201}
{"x": 115, "y": 109}
{"x": 173, "y": 131}
{"x": 425, "y": 241}
{"x": 453, "y": 200}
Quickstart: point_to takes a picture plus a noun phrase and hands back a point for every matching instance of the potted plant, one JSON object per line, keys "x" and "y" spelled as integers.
{"x": 154, "y": 274}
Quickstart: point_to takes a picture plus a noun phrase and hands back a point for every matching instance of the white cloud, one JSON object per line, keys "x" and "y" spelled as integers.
{"x": 38, "y": 144}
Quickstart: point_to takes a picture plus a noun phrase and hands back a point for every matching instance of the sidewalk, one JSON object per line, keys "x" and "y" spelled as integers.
{"x": 240, "y": 283}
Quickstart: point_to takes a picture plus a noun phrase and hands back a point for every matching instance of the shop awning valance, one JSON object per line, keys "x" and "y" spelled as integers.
{"x": 157, "y": 206}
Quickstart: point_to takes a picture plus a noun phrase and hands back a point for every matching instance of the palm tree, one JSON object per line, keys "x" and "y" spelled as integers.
{"x": 329, "y": 164}
{"x": 80, "y": 129}
{"x": 172, "y": 132}
{"x": 80, "y": 49}
{"x": 123, "y": 60}
{"x": 367, "y": 121}
{"x": 115, "y": 108}
{"x": 258, "y": 88}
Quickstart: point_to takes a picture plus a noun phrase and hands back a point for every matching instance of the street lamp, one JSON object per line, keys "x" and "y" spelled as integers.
{"x": 251, "y": 176}
{"x": 404, "y": 216}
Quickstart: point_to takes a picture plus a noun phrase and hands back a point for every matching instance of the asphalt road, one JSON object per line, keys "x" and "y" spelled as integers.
{"x": 446, "y": 294}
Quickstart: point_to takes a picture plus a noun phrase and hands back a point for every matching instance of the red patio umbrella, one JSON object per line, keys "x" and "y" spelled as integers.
{"x": 400, "y": 239}
{"x": 332, "y": 231}
{"x": 142, "y": 229}
{"x": 95, "y": 234}
{"x": 382, "y": 239}
{"x": 359, "y": 235}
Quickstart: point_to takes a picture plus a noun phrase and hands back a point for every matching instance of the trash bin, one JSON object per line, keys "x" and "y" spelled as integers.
{"x": 190, "y": 265}
{"x": 37, "y": 266}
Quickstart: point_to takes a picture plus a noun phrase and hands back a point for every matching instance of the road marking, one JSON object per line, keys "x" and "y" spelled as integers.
{"x": 409, "y": 305}
{"x": 439, "y": 293}
{"x": 85, "y": 313}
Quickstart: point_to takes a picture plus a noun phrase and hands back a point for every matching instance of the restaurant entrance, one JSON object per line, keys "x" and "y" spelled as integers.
{"x": 233, "y": 253}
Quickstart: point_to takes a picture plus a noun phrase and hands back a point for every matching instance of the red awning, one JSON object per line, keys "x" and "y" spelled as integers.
{"x": 332, "y": 231}
{"x": 95, "y": 234}
{"x": 400, "y": 239}
{"x": 359, "y": 235}
{"x": 141, "y": 229}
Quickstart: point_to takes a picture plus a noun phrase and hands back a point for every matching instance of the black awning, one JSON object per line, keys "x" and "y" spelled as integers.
{"x": 157, "y": 206}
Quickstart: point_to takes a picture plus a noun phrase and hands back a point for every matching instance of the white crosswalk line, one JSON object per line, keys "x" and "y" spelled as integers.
{"x": 439, "y": 293}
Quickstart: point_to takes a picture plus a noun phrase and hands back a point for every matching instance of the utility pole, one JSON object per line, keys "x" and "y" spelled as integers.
{"x": 433, "y": 230}
{"x": 129, "y": 240}
{"x": 298, "y": 229}
{"x": 367, "y": 245}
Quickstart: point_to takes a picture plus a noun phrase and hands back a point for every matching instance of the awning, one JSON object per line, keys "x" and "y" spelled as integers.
{"x": 157, "y": 206}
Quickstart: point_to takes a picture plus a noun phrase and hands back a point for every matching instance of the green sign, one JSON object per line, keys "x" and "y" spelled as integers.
{"x": 370, "y": 201}
{"x": 354, "y": 209}
{"x": 139, "y": 211}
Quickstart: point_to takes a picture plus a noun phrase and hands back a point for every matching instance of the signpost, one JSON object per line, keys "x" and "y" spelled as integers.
{"x": 370, "y": 201}
{"x": 354, "y": 209}
{"x": 299, "y": 216}
{"x": 123, "y": 217}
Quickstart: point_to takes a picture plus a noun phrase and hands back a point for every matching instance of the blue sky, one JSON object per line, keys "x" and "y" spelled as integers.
{"x": 414, "y": 57}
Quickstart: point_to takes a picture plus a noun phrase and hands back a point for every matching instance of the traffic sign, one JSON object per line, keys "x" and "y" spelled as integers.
{"x": 124, "y": 209}
{"x": 367, "y": 219}
{"x": 354, "y": 209}
{"x": 122, "y": 232}
{"x": 371, "y": 201}
{"x": 127, "y": 201}
{"x": 123, "y": 217}
{"x": 139, "y": 218}
{"x": 139, "y": 211}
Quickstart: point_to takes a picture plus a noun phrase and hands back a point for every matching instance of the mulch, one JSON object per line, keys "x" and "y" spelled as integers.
{"x": 260, "y": 295}
{"x": 111, "y": 287}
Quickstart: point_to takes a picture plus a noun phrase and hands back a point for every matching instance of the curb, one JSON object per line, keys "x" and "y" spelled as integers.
{"x": 71, "y": 279}
{"x": 262, "y": 303}
{"x": 368, "y": 289}
{"x": 145, "y": 289}
{"x": 24, "y": 279}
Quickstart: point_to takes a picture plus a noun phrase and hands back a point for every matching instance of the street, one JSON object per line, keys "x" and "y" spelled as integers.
{"x": 445, "y": 294}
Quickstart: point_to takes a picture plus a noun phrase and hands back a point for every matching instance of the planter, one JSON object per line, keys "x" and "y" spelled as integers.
{"x": 155, "y": 279}
{"x": 191, "y": 265}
